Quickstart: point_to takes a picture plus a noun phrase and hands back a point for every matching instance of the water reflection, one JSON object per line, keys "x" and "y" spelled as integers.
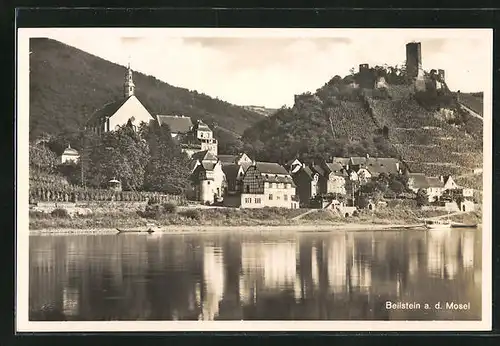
{"x": 348, "y": 275}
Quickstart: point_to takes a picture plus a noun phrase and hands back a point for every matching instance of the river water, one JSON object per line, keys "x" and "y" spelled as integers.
{"x": 299, "y": 276}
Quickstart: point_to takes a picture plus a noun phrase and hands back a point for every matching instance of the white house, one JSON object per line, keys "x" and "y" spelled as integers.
{"x": 69, "y": 155}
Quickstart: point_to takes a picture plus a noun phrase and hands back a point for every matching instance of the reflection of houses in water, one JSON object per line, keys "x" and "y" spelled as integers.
{"x": 279, "y": 262}
{"x": 360, "y": 274}
{"x": 46, "y": 277}
{"x": 451, "y": 248}
{"x": 413, "y": 261}
{"x": 443, "y": 251}
{"x": 435, "y": 253}
{"x": 337, "y": 263}
{"x": 314, "y": 266}
{"x": 468, "y": 250}
{"x": 213, "y": 274}
{"x": 70, "y": 301}
{"x": 267, "y": 266}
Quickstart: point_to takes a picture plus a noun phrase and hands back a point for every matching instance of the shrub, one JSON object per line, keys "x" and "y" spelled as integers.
{"x": 60, "y": 212}
{"x": 169, "y": 207}
{"x": 192, "y": 214}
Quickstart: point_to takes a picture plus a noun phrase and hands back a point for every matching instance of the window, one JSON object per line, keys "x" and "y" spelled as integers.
{"x": 273, "y": 185}
{"x": 257, "y": 200}
{"x": 271, "y": 197}
{"x": 248, "y": 188}
{"x": 266, "y": 184}
{"x": 208, "y": 183}
{"x": 278, "y": 198}
{"x": 285, "y": 197}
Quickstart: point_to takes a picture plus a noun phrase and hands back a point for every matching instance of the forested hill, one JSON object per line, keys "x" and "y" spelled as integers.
{"x": 427, "y": 130}
{"x": 68, "y": 85}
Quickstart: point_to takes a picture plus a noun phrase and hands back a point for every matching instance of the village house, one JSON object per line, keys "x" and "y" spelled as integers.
{"x": 234, "y": 176}
{"x": 119, "y": 113}
{"x": 239, "y": 159}
{"x": 178, "y": 124}
{"x": 306, "y": 182}
{"x": 193, "y": 138}
{"x": 293, "y": 166}
{"x": 69, "y": 156}
{"x": 207, "y": 177}
{"x": 331, "y": 177}
{"x": 437, "y": 187}
{"x": 268, "y": 184}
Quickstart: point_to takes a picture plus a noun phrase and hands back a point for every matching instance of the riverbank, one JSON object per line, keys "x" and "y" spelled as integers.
{"x": 197, "y": 220}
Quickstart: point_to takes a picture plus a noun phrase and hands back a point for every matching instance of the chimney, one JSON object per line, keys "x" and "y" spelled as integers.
{"x": 441, "y": 178}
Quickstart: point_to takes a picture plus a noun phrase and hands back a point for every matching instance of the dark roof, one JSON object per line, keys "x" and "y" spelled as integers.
{"x": 227, "y": 159}
{"x": 107, "y": 111}
{"x": 177, "y": 123}
{"x": 271, "y": 168}
{"x": 200, "y": 125}
{"x": 308, "y": 171}
{"x": 318, "y": 169}
{"x": 419, "y": 180}
{"x": 335, "y": 167}
{"x": 204, "y": 155}
{"x": 192, "y": 164}
{"x": 231, "y": 170}
{"x": 342, "y": 160}
{"x": 472, "y": 102}
{"x": 434, "y": 182}
{"x": 358, "y": 160}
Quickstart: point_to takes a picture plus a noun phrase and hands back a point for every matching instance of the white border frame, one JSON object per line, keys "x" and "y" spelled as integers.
{"x": 22, "y": 188}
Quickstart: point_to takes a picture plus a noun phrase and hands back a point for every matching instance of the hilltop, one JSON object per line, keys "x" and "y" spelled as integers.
{"x": 428, "y": 131}
{"x": 68, "y": 85}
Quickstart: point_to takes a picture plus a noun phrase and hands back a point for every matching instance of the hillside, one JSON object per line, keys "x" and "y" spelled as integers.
{"x": 261, "y": 110}
{"x": 341, "y": 119}
{"x": 68, "y": 85}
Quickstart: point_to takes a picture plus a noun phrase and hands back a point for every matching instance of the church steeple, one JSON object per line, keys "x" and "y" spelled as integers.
{"x": 128, "y": 86}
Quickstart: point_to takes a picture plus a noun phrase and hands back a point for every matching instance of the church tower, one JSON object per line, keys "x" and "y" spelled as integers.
{"x": 128, "y": 86}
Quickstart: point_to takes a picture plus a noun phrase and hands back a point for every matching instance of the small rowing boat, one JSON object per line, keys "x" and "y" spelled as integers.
{"x": 149, "y": 230}
{"x": 463, "y": 225}
{"x": 437, "y": 224}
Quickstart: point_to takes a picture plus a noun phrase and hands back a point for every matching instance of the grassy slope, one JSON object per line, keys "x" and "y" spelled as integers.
{"x": 67, "y": 85}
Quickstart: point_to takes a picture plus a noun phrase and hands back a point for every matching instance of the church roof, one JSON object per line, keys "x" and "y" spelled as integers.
{"x": 108, "y": 110}
{"x": 177, "y": 123}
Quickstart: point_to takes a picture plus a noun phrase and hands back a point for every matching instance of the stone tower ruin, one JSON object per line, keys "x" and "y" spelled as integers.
{"x": 413, "y": 59}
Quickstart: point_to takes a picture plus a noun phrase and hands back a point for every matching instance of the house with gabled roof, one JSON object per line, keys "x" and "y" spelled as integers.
{"x": 268, "y": 184}
{"x": 207, "y": 177}
{"x": 179, "y": 124}
{"x": 331, "y": 177}
{"x": 234, "y": 159}
{"x": 306, "y": 182}
{"x": 127, "y": 109}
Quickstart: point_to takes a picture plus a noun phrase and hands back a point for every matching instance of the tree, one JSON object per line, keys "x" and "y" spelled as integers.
{"x": 120, "y": 154}
{"x": 168, "y": 168}
{"x": 41, "y": 158}
{"x": 422, "y": 198}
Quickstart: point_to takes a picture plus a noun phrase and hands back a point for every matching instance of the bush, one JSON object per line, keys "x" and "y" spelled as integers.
{"x": 192, "y": 214}
{"x": 169, "y": 207}
{"x": 59, "y": 212}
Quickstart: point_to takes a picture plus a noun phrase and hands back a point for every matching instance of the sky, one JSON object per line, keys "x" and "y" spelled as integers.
{"x": 267, "y": 67}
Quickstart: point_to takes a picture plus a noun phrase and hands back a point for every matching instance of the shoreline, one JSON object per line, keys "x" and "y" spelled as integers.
{"x": 358, "y": 227}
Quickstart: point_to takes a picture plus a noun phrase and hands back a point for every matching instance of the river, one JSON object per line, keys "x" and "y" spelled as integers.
{"x": 242, "y": 276}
